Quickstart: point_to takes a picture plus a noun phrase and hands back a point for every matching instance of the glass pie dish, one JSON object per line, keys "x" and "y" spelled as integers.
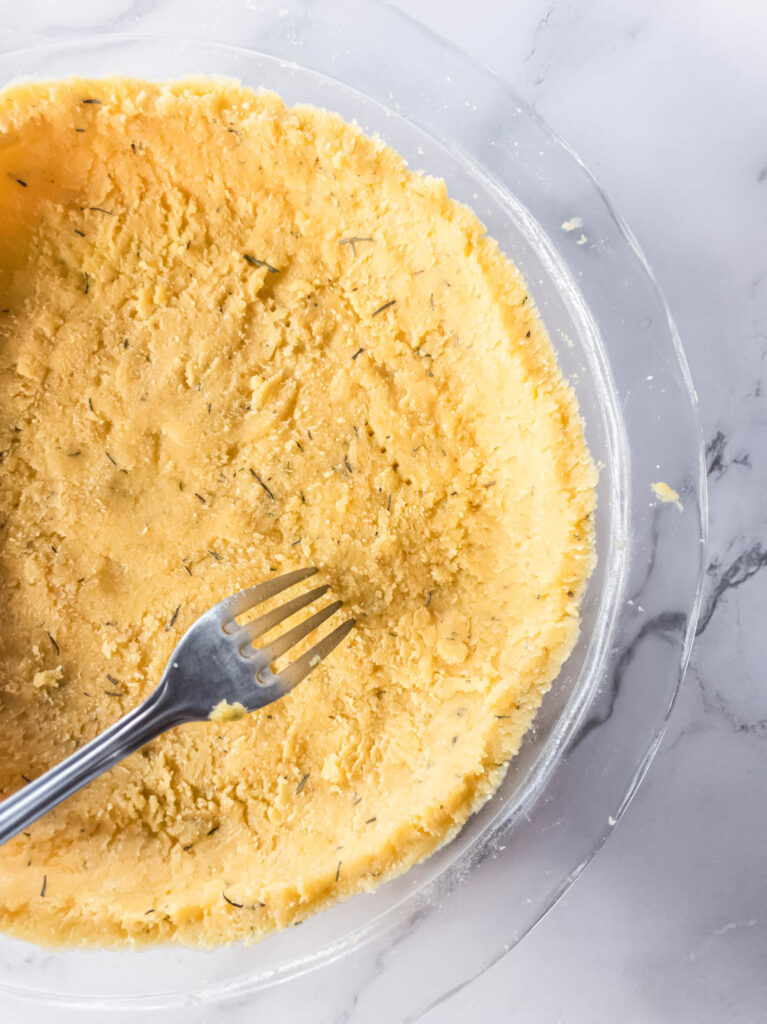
{"x": 602, "y": 720}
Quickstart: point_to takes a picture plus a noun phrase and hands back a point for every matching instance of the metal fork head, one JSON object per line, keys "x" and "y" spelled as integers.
{"x": 216, "y": 659}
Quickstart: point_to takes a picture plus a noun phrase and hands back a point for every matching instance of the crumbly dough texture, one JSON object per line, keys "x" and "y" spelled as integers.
{"x": 238, "y": 338}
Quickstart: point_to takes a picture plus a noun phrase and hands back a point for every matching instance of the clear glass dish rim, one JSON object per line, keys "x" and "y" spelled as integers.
{"x": 331, "y": 953}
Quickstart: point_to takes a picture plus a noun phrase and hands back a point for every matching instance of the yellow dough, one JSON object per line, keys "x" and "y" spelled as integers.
{"x": 236, "y": 339}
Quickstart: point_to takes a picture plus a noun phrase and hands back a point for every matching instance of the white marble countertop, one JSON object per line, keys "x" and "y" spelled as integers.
{"x": 665, "y": 101}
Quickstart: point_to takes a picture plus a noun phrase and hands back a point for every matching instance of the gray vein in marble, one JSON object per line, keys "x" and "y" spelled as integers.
{"x": 715, "y": 703}
{"x": 542, "y": 24}
{"x": 669, "y": 626}
{"x": 746, "y": 565}
{"x": 716, "y": 461}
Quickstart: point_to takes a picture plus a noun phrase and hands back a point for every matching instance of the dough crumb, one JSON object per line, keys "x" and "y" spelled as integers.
{"x": 666, "y": 494}
{"x": 572, "y": 224}
{"x": 48, "y": 679}
{"x": 226, "y": 712}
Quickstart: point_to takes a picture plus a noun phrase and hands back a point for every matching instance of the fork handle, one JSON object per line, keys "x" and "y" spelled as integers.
{"x": 124, "y": 737}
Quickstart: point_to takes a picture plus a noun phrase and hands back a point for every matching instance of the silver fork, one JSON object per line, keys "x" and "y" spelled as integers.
{"x": 214, "y": 661}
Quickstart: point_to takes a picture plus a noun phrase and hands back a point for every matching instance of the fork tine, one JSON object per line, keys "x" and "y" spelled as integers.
{"x": 290, "y": 639}
{"x": 257, "y": 627}
{"x": 239, "y": 603}
{"x": 298, "y": 670}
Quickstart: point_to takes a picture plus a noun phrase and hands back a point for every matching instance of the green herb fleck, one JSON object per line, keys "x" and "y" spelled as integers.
{"x": 385, "y": 306}
{"x": 253, "y": 473}
{"x": 260, "y": 263}
{"x": 352, "y": 241}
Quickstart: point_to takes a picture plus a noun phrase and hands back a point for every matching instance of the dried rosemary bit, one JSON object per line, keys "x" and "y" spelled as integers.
{"x": 87, "y": 284}
{"x": 371, "y": 820}
{"x": 428, "y": 598}
{"x": 100, "y": 209}
{"x": 338, "y": 870}
{"x": 358, "y": 353}
{"x": 90, "y": 404}
{"x": 56, "y": 647}
{"x": 80, "y": 233}
{"x": 112, "y": 680}
{"x": 199, "y": 497}
{"x": 347, "y": 463}
{"x": 385, "y": 306}
{"x": 231, "y": 902}
{"x": 259, "y": 263}
{"x": 187, "y": 570}
{"x": 44, "y": 888}
{"x": 352, "y": 240}
{"x": 253, "y": 473}
{"x": 92, "y": 101}
{"x": 302, "y": 783}
{"x": 73, "y": 455}
{"x": 214, "y": 554}
{"x": 110, "y": 458}
{"x": 22, "y": 183}
{"x": 173, "y": 618}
